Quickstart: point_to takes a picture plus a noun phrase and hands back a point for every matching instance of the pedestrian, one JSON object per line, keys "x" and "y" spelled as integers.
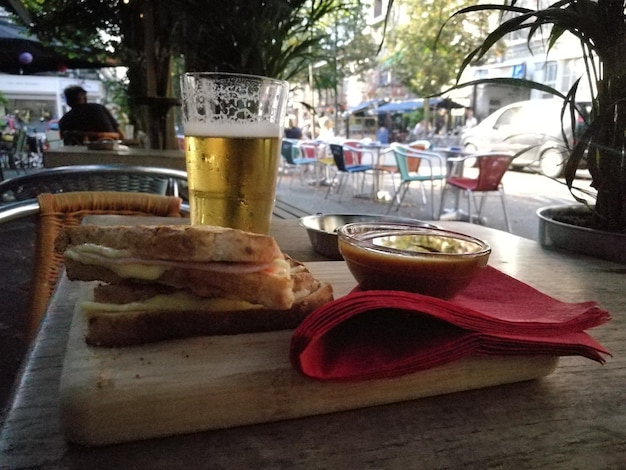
{"x": 382, "y": 135}
{"x": 86, "y": 121}
{"x": 420, "y": 131}
{"x": 470, "y": 119}
{"x": 327, "y": 131}
{"x": 293, "y": 131}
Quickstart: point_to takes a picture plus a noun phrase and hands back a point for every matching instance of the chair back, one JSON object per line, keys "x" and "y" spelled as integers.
{"x": 123, "y": 178}
{"x": 491, "y": 169}
{"x": 65, "y": 209}
{"x": 352, "y": 152}
{"x": 407, "y": 160}
{"x": 19, "y": 142}
{"x": 289, "y": 150}
{"x": 413, "y": 164}
{"x": 420, "y": 144}
{"x": 337, "y": 152}
{"x": 18, "y": 149}
{"x": 308, "y": 149}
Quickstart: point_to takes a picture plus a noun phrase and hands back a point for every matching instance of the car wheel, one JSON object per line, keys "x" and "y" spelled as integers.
{"x": 552, "y": 163}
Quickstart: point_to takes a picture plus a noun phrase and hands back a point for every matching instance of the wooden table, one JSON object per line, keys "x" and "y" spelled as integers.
{"x": 573, "y": 418}
{"x": 81, "y": 155}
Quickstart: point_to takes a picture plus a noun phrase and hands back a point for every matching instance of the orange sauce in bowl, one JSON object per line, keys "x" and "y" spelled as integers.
{"x": 436, "y": 265}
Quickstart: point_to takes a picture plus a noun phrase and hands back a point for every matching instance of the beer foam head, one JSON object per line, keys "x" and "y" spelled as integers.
{"x": 232, "y": 129}
{"x": 233, "y": 105}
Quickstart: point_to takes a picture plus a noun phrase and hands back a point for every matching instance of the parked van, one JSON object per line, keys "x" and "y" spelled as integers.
{"x": 533, "y": 126}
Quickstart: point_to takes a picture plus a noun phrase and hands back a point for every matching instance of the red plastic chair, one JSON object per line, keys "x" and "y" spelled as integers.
{"x": 491, "y": 168}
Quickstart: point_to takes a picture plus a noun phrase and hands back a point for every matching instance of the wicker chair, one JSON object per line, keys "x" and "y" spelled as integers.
{"x": 65, "y": 209}
{"x": 65, "y": 179}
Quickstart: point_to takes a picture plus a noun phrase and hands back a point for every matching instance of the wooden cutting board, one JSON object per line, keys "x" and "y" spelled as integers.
{"x": 175, "y": 387}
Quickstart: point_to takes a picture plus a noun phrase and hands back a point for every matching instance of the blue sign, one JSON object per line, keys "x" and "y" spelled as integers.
{"x": 519, "y": 70}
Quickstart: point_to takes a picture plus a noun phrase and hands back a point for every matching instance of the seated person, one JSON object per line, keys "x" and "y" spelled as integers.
{"x": 86, "y": 121}
{"x": 293, "y": 131}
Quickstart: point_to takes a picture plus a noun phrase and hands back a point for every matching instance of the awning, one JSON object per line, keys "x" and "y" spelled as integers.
{"x": 399, "y": 107}
{"x": 447, "y": 103}
{"x": 364, "y": 106}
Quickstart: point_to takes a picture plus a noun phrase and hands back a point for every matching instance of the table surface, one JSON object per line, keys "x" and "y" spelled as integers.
{"x": 81, "y": 155}
{"x": 573, "y": 418}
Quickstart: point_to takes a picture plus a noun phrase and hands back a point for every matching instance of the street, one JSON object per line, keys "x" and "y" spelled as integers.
{"x": 525, "y": 193}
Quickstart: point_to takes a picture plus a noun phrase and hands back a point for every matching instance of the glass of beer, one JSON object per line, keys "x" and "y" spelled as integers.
{"x": 233, "y": 125}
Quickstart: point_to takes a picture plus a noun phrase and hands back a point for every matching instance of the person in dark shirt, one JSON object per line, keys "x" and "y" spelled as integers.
{"x": 293, "y": 131}
{"x": 86, "y": 121}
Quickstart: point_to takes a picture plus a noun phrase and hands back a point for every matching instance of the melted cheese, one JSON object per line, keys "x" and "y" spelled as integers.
{"x": 127, "y": 267}
{"x": 178, "y": 301}
{"x": 111, "y": 258}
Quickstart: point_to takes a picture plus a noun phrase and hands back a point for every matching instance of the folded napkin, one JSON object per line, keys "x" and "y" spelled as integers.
{"x": 378, "y": 334}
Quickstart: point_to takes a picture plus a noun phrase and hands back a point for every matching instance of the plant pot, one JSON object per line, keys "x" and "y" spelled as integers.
{"x": 605, "y": 245}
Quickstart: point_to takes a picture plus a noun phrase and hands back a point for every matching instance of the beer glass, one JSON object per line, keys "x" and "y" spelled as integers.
{"x": 233, "y": 125}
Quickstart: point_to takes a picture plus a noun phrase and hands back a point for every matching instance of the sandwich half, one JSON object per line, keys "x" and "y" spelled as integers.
{"x": 165, "y": 282}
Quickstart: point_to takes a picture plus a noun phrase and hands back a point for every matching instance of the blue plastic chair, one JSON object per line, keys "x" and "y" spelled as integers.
{"x": 293, "y": 158}
{"x": 345, "y": 169}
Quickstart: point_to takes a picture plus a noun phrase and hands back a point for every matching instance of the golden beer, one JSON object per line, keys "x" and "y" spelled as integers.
{"x": 232, "y": 180}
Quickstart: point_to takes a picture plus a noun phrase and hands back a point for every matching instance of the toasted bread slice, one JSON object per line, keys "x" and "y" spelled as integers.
{"x": 272, "y": 289}
{"x": 211, "y": 261}
{"x": 175, "y": 242}
{"x": 172, "y": 319}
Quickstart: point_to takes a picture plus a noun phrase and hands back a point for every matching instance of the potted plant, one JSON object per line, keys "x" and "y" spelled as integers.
{"x": 600, "y": 27}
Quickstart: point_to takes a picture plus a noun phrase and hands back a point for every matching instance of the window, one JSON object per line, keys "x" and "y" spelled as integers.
{"x": 570, "y": 72}
{"x": 549, "y": 76}
{"x": 507, "y": 118}
{"x": 378, "y": 8}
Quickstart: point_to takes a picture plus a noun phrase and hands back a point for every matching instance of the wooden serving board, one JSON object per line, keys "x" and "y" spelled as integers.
{"x": 175, "y": 387}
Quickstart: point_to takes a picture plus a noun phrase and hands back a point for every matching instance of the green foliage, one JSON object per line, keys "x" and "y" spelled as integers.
{"x": 275, "y": 38}
{"x": 74, "y": 26}
{"x": 348, "y": 49}
{"x": 600, "y": 26}
{"x": 424, "y": 55}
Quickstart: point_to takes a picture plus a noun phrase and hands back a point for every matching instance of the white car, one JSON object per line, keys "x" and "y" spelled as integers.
{"x": 532, "y": 128}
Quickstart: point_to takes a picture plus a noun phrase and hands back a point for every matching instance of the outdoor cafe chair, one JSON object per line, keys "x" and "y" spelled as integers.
{"x": 391, "y": 169}
{"x": 316, "y": 150}
{"x": 416, "y": 166}
{"x": 347, "y": 158}
{"x": 491, "y": 169}
{"x": 296, "y": 158}
{"x": 126, "y": 178}
{"x": 56, "y": 211}
{"x": 15, "y": 155}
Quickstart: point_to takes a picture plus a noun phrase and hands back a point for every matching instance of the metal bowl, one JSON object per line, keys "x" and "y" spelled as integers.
{"x": 322, "y": 229}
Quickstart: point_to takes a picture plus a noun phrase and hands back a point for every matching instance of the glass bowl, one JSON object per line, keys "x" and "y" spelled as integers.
{"x": 412, "y": 258}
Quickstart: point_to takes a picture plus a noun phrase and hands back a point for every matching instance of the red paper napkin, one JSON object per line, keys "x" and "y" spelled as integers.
{"x": 378, "y": 334}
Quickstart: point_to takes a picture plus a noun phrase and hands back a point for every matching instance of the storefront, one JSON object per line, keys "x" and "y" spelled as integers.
{"x": 34, "y": 100}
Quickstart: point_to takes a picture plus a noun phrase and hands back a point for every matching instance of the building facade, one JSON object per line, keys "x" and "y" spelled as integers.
{"x": 36, "y": 99}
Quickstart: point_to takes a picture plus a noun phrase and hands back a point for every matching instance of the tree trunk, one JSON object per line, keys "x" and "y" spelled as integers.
{"x": 149, "y": 73}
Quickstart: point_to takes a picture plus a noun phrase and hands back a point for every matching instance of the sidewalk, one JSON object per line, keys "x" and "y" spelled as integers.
{"x": 312, "y": 199}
